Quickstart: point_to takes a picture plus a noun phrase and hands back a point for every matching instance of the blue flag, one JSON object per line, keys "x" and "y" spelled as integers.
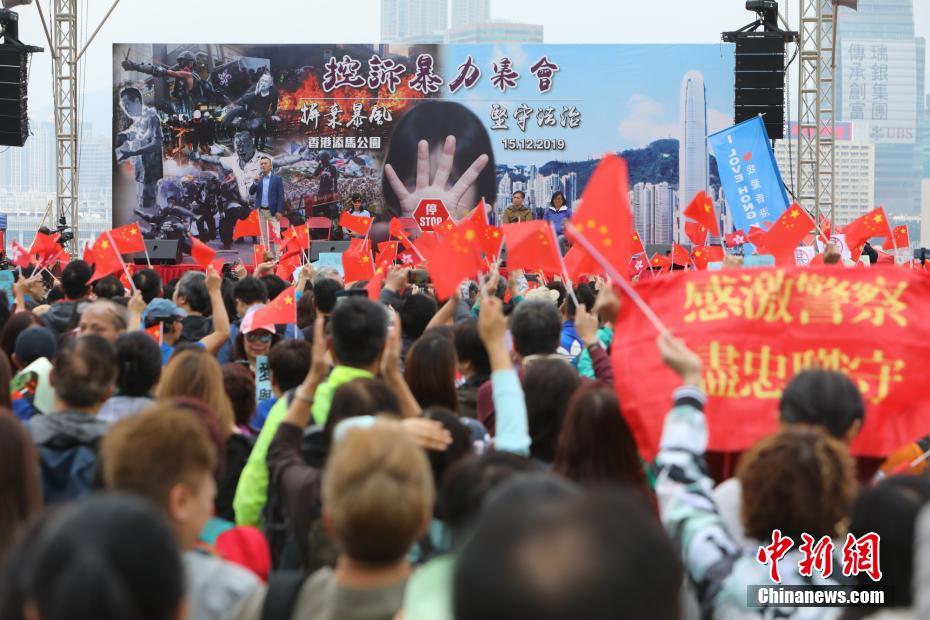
{"x": 751, "y": 181}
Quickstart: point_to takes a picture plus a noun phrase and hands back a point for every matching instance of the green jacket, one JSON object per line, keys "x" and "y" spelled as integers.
{"x": 252, "y": 490}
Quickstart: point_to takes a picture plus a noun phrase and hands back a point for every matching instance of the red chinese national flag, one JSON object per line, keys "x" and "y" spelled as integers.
{"x": 754, "y": 330}
{"x": 107, "y": 258}
{"x": 387, "y": 251}
{"x": 249, "y": 227}
{"x": 901, "y": 238}
{"x": 287, "y": 265}
{"x": 680, "y": 255}
{"x": 373, "y": 288}
{"x": 258, "y": 254}
{"x": 455, "y": 258}
{"x": 578, "y": 264}
{"x": 604, "y": 216}
{"x": 696, "y": 232}
{"x": 156, "y": 332}
{"x": 201, "y": 252}
{"x": 297, "y": 238}
{"x": 125, "y": 279}
{"x": 658, "y": 261}
{"x": 756, "y": 235}
{"x": 532, "y": 246}
{"x": 88, "y": 256}
{"x": 701, "y": 210}
{"x": 489, "y": 237}
{"x": 357, "y": 265}
{"x": 45, "y": 245}
{"x": 281, "y": 310}
{"x": 446, "y": 227}
{"x": 128, "y": 239}
{"x": 825, "y": 228}
{"x": 785, "y": 234}
{"x": 703, "y": 255}
{"x": 425, "y": 245}
{"x": 359, "y": 224}
{"x": 872, "y": 224}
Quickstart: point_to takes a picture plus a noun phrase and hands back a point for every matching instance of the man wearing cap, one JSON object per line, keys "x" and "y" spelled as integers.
{"x": 170, "y": 316}
{"x": 31, "y": 392}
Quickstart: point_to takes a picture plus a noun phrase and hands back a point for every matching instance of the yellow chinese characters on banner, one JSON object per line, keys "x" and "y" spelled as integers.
{"x": 735, "y": 372}
{"x": 805, "y": 298}
{"x": 755, "y": 330}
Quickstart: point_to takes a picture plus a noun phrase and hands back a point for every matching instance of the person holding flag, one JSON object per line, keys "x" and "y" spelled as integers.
{"x": 170, "y": 316}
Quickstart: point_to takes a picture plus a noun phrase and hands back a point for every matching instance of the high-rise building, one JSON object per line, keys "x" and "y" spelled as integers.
{"x": 495, "y": 31}
{"x": 923, "y": 133}
{"x": 570, "y": 187}
{"x": 504, "y": 192}
{"x": 854, "y": 171}
{"x": 413, "y": 20}
{"x": 663, "y": 207}
{"x": 692, "y": 147}
{"x": 880, "y": 82}
{"x": 466, "y": 12}
{"x": 652, "y": 207}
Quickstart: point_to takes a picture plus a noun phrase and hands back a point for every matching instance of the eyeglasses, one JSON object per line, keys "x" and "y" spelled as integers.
{"x": 261, "y": 336}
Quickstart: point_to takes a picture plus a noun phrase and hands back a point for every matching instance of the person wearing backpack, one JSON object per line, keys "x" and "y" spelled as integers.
{"x": 83, "y": 378}
{"x": 377, "y": 501}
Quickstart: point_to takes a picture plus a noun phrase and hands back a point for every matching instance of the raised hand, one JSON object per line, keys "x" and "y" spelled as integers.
{"x": 438, "y": 188}
{"x": 677, "y": 356}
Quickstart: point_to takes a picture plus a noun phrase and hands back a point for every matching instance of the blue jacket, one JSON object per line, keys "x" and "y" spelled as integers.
{"x": 558, "y": 217}
{"x": 275, "y": 193}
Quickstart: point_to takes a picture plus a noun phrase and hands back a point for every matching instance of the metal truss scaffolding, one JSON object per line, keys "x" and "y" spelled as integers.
{"x": 65, "y": 92}
{"x": 816, "y": 106}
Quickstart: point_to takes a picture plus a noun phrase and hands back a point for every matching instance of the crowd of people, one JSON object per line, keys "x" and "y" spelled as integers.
{"x": 168, "y": 454}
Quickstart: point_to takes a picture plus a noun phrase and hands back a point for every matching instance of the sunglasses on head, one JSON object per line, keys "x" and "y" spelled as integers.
{"x": 260, "y": 336}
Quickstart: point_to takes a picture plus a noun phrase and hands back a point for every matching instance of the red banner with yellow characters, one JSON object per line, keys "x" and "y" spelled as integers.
{"x": 755, "y": 329}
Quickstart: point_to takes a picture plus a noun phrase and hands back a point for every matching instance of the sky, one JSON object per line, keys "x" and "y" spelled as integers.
{"x": 315, "y": 21}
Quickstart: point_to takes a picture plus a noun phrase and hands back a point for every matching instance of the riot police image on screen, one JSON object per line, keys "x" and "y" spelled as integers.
{"x": 190, "y": 90}
{"x": 243, "y": 165}
{"x": 171, "y": 222}
{"x": 256, "y": 110}
{"x": 202, "y": 196}
{"x": 141, "y": 145}
{"x": 328, "y": 175}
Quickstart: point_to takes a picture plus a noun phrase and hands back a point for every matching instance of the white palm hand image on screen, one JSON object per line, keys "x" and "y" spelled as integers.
{"x": 452, "y": 197}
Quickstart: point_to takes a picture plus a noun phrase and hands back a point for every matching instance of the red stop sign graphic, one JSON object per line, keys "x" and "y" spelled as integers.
{"x": 430, "y": 213}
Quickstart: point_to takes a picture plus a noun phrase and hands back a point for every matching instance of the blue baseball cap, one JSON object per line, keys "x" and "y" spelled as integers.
{"x": 161, "y": 308}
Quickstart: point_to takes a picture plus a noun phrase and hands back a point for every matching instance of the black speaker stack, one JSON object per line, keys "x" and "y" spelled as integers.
{"x": 760, "y": 81}
{"x": 14, "y": 121}
{"x": 14, "y": 77}
{"x": 760, "y": 68}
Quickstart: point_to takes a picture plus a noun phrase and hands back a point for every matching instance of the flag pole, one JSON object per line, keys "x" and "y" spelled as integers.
{"x": 132, "y": 284}
{"x": 570, "y": 289}
{"x": 145, "y": 248}
{"x": 620, "y": 280}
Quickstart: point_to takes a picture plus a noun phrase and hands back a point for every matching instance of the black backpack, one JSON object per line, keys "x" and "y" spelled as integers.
{"x": 281, "y": 595}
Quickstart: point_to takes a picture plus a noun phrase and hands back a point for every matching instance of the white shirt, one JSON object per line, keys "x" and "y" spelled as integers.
{"x": 246, "y": 173}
